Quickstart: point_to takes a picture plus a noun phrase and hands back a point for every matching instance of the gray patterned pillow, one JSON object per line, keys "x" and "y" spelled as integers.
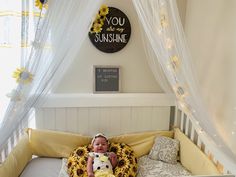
{"x": 165, "y": 149}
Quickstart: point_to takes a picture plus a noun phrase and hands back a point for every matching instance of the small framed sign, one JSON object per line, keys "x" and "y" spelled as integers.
{"x": 106, "y": 79}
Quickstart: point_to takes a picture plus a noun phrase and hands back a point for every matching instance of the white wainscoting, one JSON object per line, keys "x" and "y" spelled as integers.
{"x": 112, "y": 114}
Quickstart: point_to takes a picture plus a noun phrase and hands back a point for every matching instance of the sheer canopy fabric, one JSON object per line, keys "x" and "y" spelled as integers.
{"x": 161, "y": 23}
{"x": 64, "y": 26}
{"x": 58, "y": 42}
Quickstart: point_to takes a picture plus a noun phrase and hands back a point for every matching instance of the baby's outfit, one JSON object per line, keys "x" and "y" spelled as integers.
{"x": 101, "y": 164}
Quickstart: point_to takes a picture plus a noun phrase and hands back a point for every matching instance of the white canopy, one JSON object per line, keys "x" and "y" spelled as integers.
{"x": 64, "y": 27}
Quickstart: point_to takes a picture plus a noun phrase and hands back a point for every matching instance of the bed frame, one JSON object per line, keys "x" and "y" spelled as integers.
{"x": 115, "y": 114}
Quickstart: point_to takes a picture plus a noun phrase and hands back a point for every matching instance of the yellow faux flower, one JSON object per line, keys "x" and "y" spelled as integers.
{"x": 97, "y": 28}
{"x": 100, "y": 19}
{"x": 41, "y": 4}
{"x": 22, "y": 76}
{"x": 104, "y": 10}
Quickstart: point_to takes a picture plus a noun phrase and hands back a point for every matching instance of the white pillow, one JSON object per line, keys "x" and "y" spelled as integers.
{"x": 165, "y": 149}
{"x": 63, "y": 171}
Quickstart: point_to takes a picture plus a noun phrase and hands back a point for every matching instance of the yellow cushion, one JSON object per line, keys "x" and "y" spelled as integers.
{"x": 17, "y": 159}
{"x": 60, "y": 144}
{"x": 141, "y": 143}
{"x": 55, "y": 144}
{"x": 190, "y": 155}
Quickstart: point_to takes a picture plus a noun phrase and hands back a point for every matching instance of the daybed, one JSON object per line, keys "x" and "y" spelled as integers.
{"x": 51, "y": 146}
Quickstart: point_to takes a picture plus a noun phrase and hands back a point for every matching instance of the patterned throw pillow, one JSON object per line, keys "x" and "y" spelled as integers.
{"x": 126, "y": 161}
{"x": 165, "y": 149}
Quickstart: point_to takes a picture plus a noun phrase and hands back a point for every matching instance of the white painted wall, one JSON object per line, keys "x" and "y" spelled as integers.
{"x": 210, "y": 27}
{"x": 135, "y": 73}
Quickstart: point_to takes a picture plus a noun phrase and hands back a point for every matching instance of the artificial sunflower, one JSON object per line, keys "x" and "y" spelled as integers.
{"x": 97, "y": 28}
{"x": 41, "y": 4}
{"x": 22, "y": 76}
{"x": 80, "y": 151}
{"x": 104, "y": 10}
{"x": 100, "y": 19}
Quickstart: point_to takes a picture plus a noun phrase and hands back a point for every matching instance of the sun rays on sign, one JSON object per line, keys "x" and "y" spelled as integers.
{"x": 22, "y": 76}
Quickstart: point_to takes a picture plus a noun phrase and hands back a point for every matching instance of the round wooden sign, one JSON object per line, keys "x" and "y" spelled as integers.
{"x": 111, "y": 32}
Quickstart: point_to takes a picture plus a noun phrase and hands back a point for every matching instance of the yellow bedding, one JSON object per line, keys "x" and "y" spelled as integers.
{"x": 59, "y": 144}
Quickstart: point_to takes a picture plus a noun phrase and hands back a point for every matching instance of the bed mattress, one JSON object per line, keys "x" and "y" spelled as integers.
{"x": 42, "y": 167}
{"x": 53, "y": 167}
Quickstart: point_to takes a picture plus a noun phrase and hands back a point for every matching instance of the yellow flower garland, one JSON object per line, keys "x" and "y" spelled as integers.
{"x": 100, "y": 19}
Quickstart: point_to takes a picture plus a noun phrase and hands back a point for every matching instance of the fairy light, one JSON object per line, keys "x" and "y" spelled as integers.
{"x": 200, "y": 131}
{"x": 163, "y": 15}
{"x": 169, "y": 67}
{"x": 233, "y": 132}
{"x": 175, "y": 63}
{"x": 159, "y": 31}
{"x": 163, "y": 21}
{"x": 180, "y": 91}
{"x": 169, "y": 43}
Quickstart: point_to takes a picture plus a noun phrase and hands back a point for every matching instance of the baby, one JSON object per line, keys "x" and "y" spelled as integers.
{"x": 100, "y": 161}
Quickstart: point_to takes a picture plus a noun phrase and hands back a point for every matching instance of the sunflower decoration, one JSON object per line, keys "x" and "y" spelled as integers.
{"x": 100, "y": 19}
{"x": 77, "y": 161}
{"x": 41, "y": 4}
{"x": 22, "y": 76}
{"x": 126, "y": 160}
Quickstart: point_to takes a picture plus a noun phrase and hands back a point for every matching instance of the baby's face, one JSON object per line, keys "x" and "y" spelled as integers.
{"x": 100, "y": 145}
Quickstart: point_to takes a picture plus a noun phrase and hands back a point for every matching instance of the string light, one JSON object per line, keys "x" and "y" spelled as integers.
{"x": 163, "y": 21}
{"x": 169, "y": 43}
{"x": 163, "y": 16}
{"x": 180, "y": 91}
{"x": 175, "y": 63}
{"x": 200, "y": 131}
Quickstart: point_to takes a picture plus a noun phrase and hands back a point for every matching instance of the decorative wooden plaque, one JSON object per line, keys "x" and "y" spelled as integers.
{"x": 115, "y": 32}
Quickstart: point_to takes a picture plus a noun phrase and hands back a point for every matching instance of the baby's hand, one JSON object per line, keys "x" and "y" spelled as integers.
{"x": 113, "y": 159}
{"x": 112, "y": 155}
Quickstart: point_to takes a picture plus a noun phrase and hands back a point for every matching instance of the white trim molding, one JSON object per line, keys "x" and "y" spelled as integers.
{"x": 109, "y": 100}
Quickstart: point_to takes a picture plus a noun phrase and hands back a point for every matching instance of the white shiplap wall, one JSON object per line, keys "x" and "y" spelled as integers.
{"x": 112, "y": 114}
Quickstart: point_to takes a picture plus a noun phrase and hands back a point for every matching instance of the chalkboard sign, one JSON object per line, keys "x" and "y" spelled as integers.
{"x": 111, "y": 34}
{"x": 106, "y": 78}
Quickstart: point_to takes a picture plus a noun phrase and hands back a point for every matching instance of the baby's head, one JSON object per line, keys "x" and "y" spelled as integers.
{"x": 99, "y": 143}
